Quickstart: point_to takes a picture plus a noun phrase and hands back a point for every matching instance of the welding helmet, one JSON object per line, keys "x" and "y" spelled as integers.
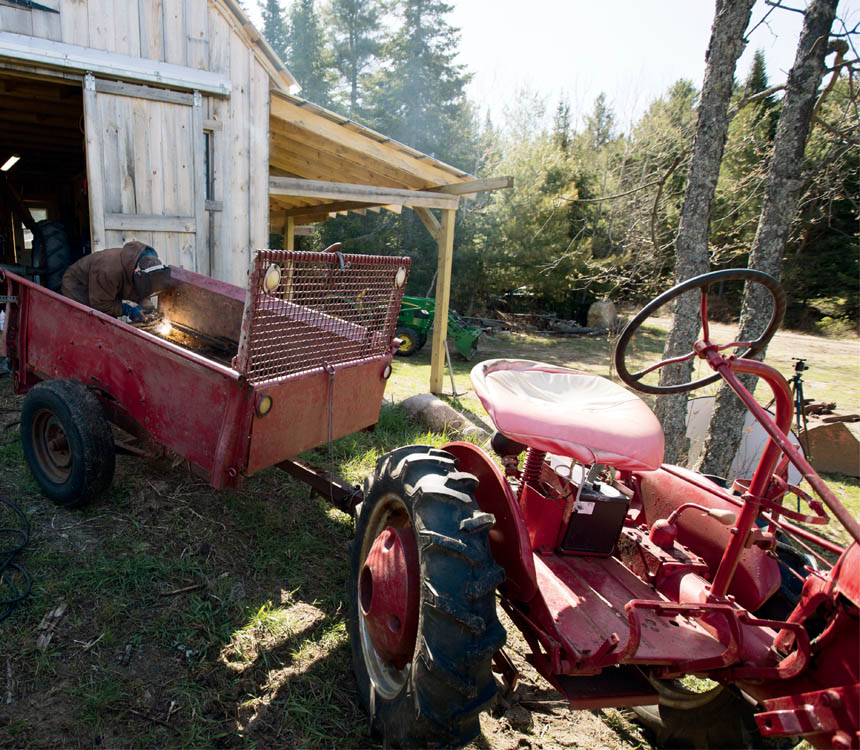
{"x": 151, "y": 276}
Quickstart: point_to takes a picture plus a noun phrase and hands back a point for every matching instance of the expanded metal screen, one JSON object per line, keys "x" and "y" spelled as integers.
{"x": 310, "y": 310}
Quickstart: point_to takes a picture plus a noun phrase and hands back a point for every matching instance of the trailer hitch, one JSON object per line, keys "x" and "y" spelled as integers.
{"x": 344, "y": 496}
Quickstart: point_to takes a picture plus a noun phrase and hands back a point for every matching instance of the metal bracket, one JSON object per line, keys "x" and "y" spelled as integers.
{"x": 6, "y": 299}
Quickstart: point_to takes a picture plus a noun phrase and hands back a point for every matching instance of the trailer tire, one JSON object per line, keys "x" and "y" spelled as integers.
{"x": 411, "y": 341}
{"x": 67, "y": 442}
{"x": 51, "y": 245}
{"x": 433, "y": 694}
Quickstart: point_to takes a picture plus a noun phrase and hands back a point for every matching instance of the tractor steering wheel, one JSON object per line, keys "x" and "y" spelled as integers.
{"x": 702, "y": 283}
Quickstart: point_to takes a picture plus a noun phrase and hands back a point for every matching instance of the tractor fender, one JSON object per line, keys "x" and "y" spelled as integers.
{"x": 844, "y": 575}
{"x": 757, "y": 576}
{"x": 509, "y": 539}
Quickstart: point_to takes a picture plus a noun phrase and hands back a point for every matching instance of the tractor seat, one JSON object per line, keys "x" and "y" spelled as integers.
{"x": 569, "y": 413}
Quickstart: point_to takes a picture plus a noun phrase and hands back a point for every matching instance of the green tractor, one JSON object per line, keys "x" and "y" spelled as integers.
{"x": 416, "y": 321}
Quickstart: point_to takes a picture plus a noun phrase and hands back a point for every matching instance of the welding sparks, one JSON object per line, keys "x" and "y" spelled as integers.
{"x": 165, "y": 328}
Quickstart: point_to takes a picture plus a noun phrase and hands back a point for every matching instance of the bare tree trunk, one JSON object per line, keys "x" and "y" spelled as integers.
{"x": 691, "y": 244}
{"x": 777, "y": 213}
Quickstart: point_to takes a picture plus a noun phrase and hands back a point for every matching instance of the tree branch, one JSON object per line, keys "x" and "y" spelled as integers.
{"x": 778, "y": 4}
{"x": 834, "y": 154}
{"x": 662, "y": 182}
{"x": 846, "y": 64}
{"x": 843, "y": 136}
{"x": 626, "y": 192}
{"x": 855, "y": 30}
{"x": 840, "y": 48}
{"x": 745, "y": 100}
{"x": 763, "y": 20}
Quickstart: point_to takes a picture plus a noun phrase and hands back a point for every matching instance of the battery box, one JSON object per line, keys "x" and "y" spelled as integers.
{"x": 596, "y": 521}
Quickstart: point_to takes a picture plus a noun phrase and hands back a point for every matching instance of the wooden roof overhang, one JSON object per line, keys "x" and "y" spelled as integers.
{"x": 323, "y": 164}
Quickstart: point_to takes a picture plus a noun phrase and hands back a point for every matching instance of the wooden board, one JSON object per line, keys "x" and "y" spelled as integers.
{"x": 237, "y": 256}
{"x": 142, "y": 172}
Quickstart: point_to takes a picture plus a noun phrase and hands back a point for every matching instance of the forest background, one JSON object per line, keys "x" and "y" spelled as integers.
{"x": 594, "y": 211}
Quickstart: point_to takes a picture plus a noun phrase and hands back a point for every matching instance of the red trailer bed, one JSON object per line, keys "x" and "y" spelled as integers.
{"x": 299, "y": 358}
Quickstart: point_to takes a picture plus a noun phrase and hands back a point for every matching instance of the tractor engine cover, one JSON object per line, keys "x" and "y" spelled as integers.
{"x": 596, "y": 521}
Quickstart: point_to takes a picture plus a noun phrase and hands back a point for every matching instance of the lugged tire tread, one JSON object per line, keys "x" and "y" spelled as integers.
{"x": 451, "y": 679}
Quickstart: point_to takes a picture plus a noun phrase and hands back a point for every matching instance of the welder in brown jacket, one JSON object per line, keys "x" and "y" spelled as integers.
{"x": 104, "y": 279}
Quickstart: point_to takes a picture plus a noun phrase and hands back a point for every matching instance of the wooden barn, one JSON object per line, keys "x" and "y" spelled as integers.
{"x": 174, "y": 123}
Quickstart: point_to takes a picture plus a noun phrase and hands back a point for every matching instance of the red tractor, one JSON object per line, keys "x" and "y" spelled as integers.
{"x": 623, "y": 574}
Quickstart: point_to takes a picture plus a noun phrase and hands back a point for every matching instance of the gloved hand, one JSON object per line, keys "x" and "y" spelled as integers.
{"x": 134, "y": 313}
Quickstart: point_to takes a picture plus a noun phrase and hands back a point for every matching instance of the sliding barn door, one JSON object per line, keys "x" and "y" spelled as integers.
{"x": 145, "y": 169}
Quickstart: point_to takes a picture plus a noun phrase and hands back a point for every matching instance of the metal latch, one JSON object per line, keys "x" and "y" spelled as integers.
{"x": 6, "y": 299}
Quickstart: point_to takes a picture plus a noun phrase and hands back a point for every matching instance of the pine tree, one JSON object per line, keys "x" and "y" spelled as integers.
{"x": 419, "y": 98}
{"x": 561, "y": 125}
{"x": 600, "y": 124}
{"x": 756, "y": 81}
{"x": 306, "y": 55}
{"x": 356, "y": 27}
{"x": 274, "y": 29}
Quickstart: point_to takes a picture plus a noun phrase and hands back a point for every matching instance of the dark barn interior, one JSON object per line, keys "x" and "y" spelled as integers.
{"x": 41, "y": 122}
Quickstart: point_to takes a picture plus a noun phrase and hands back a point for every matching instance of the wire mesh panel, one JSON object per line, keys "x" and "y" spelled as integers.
{"x": 310, "y": 310}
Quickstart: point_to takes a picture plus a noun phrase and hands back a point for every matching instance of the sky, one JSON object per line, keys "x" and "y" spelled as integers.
{"x": 630, "y": 50}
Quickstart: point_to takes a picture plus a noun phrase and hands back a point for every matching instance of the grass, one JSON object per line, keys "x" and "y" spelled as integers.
{"x": 201, "y": 618}
{"x": 195, "y": 618}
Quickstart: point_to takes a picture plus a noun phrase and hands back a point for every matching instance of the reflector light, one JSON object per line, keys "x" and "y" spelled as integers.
{"x": 386, "y": 373}
{"x": 400, "y": 278}
{"x": 272, "y": 278}
{"x": 264, "y": 405}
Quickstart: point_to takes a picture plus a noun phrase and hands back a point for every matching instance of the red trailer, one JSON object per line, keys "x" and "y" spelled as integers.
{"x": 234, "y": 380}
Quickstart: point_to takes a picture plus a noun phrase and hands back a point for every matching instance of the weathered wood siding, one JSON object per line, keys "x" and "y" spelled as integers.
{"x": 174, "y": 31}
{"x": 145, "y": 157}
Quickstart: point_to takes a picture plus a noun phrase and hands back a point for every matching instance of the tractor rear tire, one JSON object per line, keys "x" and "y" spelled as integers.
{"x": 411, "y": 341}
{"x": 67, "y": 442}
{"x": 434, "y": 695}
{"x": 717, "y": 718}
{"x": 51, "y": 245}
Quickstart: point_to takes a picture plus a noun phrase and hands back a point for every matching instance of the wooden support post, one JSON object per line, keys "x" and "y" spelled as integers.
{"x": 290, "y": 234}
{"x": 443, "y": 292}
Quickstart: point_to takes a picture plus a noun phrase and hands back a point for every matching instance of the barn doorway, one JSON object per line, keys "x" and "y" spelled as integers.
{"x": 42, "y": 146}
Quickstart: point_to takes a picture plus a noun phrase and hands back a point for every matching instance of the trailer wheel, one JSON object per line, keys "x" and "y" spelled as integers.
{"x": 67, "y": 442}
{"x": 715, "y": 718}
{"x": 410, "y": 341}
{"x": 423, "y": 623}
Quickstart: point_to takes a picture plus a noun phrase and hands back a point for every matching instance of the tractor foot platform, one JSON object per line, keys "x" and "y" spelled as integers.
{"x": 607, "y": 616}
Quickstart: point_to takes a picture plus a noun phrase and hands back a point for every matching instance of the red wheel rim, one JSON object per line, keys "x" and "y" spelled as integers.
{"x": 387, "y": 587}
{"x": 51, "y": 446}
{"x": 388, "y": 594}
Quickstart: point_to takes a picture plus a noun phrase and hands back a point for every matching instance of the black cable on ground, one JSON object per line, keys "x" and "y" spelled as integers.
{"x": 14, "y": 579}
{"x": 8, "y": 428}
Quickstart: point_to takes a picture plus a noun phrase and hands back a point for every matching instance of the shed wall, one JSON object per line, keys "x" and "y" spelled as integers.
{"x": 147, "y": 149}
